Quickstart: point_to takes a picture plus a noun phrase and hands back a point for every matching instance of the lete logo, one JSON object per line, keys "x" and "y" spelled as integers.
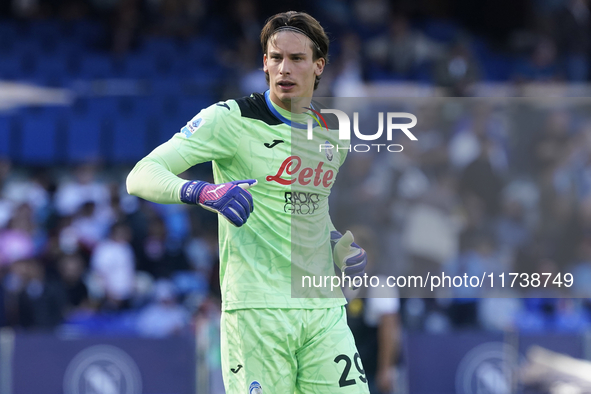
{"x": 291, "y": 166}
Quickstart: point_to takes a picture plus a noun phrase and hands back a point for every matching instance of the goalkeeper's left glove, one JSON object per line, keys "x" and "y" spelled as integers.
{"x": 349, "y": 257}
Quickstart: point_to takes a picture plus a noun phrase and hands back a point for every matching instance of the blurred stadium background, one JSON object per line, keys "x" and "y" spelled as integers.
{"x": 103, "y": 293}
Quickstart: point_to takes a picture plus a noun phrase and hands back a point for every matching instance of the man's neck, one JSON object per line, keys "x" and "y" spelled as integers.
{"x": 295, "y": 106}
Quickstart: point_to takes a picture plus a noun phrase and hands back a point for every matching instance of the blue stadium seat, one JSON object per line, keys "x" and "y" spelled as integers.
{"x": 166, "y": 86}
{"x": 102, "y": 107}
{"x": 146, "y": 106}
{"x": 87, "y": 32}
{"x": 69, "y": 46}
{"x": 5, "y": 135}
{"x": 10, "y": 28}
{"x": 189, "y": 107}
{"x": 203, "y": 80}
{"x": 160, "y": 47}
{"x": 168, "y": 126}
{"x": 494, "y": 66}
{"x": 28, "y": 45}
{"x": 171, "y": 121}
{"x": 95, "y": 66}
{"x": 51, "y": 66}
{"x": 140, "y": 65}
{"x": 199, "y": 50}
{"x": 83, "y": 139}
{"x": 10, "y": 68}
{"x": 441, "y": 30}
{"x": 9, "y": 34}
{"x": 129, "y": 137}
{"x": 52, "y": 28}
{"x": 49, "y": 113}
{"x": 423, "y": 73}
{"x": 39, "y": 138}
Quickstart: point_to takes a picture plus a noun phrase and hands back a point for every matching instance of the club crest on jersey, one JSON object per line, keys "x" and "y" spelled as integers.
{"x": 192, "y": 126}
{"x": 255, "y": 388}
{"x": 329, "y": 151}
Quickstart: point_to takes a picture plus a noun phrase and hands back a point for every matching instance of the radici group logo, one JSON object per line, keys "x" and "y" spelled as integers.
{"x": 344, "y": 126}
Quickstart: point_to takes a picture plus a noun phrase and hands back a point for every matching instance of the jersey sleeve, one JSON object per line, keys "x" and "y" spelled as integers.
{"x": 212, "y": 134}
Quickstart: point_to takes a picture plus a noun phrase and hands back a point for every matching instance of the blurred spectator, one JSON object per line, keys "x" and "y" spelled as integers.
{"x": 16, "y": 241}
{"x": 573, "y": 32}
{"x": 553, "y": 147}
{"x": 458, "y": 70}
{"x": 511, "y": 231}
{"x": 478, "y": 257}
{"x": 34, "y": 301}
{"x": 85, "y": 187}
{"x": 88, "y": 226}
{"x": 112, "y": 267}
{"x": 3, "y": 318}
{"x": 371, "y": 16}
{"x": 336, "y": 15}
{"x": 357, "y": 205}
{"x": 201, "y": 253}
{"x": 580, "y": 161}
{"x": 431, "y": 147}
{"x": 33, "y": 190}
{"x": 372, "y": 314}
{"x": 244, "y": 22}
{"x": 480, "y": 127}
{"x": 126, "y": 22}
{"x": 179, "y": 18}
{"x": 71, "y": 270}
{"x": 541, "y": 65}
{"x": 481, "y": 181}
{"x": 349, "y": 79}
{"x": 164, "y": 316}
{"x": 156, "y": 256}
{"x": 401, "y": 50}
{"x": 250, "y": 74}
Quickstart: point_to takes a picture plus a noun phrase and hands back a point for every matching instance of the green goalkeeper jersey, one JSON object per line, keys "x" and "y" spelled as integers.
{"x": 286, "y": 238}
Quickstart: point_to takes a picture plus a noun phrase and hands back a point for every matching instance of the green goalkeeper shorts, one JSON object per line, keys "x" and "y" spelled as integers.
{"x": 285, "y": 351}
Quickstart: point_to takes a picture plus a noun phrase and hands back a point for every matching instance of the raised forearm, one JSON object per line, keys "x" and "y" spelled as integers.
{"x": 154, "y": 177}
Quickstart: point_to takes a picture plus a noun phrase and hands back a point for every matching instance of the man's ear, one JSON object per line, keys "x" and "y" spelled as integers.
{"x": 320, "y": 63}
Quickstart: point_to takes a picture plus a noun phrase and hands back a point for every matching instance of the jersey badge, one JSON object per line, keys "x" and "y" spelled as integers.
{"x": 255, "y": 388}
{"x": 192, "y": 126}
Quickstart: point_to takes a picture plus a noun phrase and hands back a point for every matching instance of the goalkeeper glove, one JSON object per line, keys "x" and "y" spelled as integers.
{"x": 349, "y": 257}
{"x": 231, "y": 200}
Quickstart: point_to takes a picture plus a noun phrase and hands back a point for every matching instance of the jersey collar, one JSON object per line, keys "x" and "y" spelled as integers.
{"x": 282, "y": 118}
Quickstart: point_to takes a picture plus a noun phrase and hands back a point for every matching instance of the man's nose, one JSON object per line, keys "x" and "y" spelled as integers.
{"x": 285, "y": 67}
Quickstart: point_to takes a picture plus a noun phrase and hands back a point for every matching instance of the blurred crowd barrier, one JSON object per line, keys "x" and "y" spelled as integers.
{"x": 453, "y": 363}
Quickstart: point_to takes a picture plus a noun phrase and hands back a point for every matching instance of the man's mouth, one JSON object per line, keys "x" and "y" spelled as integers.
{"x": 286, "y": 84}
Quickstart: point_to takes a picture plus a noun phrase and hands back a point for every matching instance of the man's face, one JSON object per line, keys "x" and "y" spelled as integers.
{"x": 291, "y": 67}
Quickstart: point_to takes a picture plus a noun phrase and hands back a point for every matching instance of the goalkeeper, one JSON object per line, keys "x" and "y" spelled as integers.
{"x": 271, "y": 342}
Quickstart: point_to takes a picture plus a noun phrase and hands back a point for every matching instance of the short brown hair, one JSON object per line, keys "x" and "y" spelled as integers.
{"x": 304, "y": 22}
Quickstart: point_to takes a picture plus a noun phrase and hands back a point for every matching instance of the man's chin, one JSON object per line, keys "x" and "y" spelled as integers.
{"x": 290, "y": 97}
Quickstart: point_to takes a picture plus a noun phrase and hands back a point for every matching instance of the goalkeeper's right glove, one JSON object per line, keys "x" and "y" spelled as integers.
{"x": 349, "y": 257}
{"x": 231, "y": 200}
